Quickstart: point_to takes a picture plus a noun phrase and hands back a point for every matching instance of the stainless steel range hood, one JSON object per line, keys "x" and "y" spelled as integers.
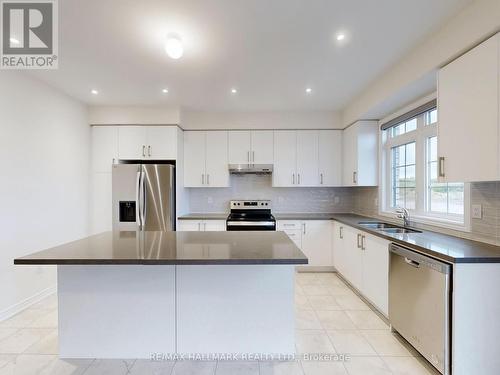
{"x": 251, "y": 168}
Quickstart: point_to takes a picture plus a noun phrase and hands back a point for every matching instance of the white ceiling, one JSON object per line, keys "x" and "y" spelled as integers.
{"x": 270, "y": 50}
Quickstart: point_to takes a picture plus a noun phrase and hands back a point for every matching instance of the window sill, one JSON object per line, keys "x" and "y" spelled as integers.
{"x": 433, "y": 221}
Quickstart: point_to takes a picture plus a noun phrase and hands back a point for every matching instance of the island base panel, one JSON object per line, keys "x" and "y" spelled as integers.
{"x": 116, "y": 311}
{"x": 236, "y": 309}
{"x": 128, "y": 311}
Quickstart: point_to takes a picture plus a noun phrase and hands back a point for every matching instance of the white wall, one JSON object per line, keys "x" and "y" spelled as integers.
{"x": 414, "y": 75}
{"x": 195, "y": 120}
{"x": 133, "y": 115}
{"x": 44, "y": 148}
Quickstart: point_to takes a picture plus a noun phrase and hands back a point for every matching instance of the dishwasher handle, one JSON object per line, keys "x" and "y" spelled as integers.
{"x": 418, "y": 260}
{"x": 412, "y": 263}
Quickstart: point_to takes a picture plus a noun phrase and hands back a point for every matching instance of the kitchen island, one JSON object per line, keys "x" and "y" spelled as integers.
{"x": 141, "y": 294}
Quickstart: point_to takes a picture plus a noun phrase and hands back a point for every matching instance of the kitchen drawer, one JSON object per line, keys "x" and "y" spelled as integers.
{"x": 289, "y": 225}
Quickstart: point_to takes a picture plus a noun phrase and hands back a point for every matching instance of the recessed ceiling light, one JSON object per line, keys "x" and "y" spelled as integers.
{"x": 94, "y": 91}
{"x": 234, "y": 91}
{"x": 340, "y": 37}
{"x": 165, "y": 91}
{"x": 309, "y": 90}
{"x": 14, "y": 41}
{"x": 174, "y": 47}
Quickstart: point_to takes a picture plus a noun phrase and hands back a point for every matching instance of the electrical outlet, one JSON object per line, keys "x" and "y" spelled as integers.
{"x": 477, "y": 211}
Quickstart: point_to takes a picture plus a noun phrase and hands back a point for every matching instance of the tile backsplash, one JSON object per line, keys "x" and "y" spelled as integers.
{"x": 360, "y": 200}
{"x": 486, "y": 194}
{"x": 284, "y": 200}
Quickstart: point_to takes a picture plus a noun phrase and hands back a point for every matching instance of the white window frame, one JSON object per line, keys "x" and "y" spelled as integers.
{"x": 420, "y": 215}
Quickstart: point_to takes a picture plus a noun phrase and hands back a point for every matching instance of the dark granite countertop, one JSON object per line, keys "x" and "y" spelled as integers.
{"x": 204, "y": 216}
{"x": 441, "y": 246}
{"x": 304, "y": 216}
{"x": 182, "y": 248}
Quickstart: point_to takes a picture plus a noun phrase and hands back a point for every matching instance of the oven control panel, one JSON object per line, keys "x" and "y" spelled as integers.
{"x": 251, "y": 205}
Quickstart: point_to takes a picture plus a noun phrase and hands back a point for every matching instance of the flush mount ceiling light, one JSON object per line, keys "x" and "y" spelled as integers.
{"x": 165, "y": 91}
{"x": 94, "y": 92}
{"x": 309, "y": 90}
{"x": 174, "y": 47}
{"x": 234, "y": 91}
{"x": 340, "y": 36}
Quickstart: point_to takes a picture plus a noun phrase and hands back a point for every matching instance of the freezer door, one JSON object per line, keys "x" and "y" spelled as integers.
{"x": 159, "y": 197}
{"x": 126, "y": 182}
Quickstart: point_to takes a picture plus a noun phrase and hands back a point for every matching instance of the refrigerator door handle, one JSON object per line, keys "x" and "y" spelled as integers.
{"x": 143, "y": 203}
{"x": 138, "y": 200}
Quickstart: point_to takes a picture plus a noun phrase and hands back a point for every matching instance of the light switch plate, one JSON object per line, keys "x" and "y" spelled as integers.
{"x": 477, "y": 211}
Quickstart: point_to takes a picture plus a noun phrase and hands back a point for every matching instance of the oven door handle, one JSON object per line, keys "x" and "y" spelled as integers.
{"x": 251, "y": 223}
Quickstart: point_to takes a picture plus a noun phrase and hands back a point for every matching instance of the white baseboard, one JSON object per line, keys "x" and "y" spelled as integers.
{"x": 30, "y": 301}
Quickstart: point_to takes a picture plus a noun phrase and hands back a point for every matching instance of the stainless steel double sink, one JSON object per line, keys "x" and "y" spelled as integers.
{"x": 386, "y": 227}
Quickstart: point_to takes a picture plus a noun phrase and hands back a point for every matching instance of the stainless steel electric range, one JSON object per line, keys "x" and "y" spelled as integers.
{"x": 250, "y": 216}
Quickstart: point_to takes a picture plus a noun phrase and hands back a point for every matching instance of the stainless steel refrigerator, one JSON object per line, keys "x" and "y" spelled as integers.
{"x": 143, "y": 197}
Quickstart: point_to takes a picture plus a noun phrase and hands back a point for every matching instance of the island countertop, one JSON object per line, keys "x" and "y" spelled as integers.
{"x": 182, "y": 248}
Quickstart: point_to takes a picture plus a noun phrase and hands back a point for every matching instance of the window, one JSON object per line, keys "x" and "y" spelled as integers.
{"x": 410, "y": 174}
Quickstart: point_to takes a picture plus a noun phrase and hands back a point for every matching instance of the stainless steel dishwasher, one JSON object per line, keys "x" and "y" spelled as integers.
{"x": 420, "y": 303}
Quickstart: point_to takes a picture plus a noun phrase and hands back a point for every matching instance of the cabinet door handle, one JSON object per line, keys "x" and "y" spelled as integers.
{"x": 199, "y": 227}
{"x": 253, "y": 156}
{"x": 149, "y": 150}
{"x": 293, "y": 178}
{"x": 441, "y": 166}
{"x": 321, "y": 178}
{"x": 354, "y": 177}
{"x": 143, "y": 150}
{"x": 363, "y": 242}
{"x": 202, "y": 179}
{"x": 208, "y": 179}
{"x": 204, "y": 227}
{"x": 248, "y": 156}
{"x": 298, "y": 178}
{"x": 304, "y": 228}
{"x": 341, "y": 232}
{"x": 359, "y": 238}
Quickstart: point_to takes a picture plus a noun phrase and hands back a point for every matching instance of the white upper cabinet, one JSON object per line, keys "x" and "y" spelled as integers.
{"x": 468, "y": 118}
{"x": 147, "y": 142}
{"x": 217, "y": 171}
{"x": 206, "y": 159}
{"x": 194, "y": 159}
{"x": 307, "y": 158}
{"x": 162, "y": 142}
{"x": 360, "y": 154}
{"x": 262, "y": 146}
{"x": 330, "y": 157}
{"x": 104, "y": 148}
{"x": 250, "y": 147}
{"x": 285, "y": 158}
{"x": 296, "y": 158}
{"x": 240, "y": 145}
{"x": 132, "y": 142}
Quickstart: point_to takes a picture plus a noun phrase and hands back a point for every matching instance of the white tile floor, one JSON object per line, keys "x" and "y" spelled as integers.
{"x": 330, "y": 317}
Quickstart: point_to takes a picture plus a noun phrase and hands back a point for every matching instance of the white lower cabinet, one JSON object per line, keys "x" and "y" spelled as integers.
{"x": 363, "y": 260}
{"x": 313, "y": 237}
{"x": 375, "y": 284}
{"x": 202, "y": 226}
